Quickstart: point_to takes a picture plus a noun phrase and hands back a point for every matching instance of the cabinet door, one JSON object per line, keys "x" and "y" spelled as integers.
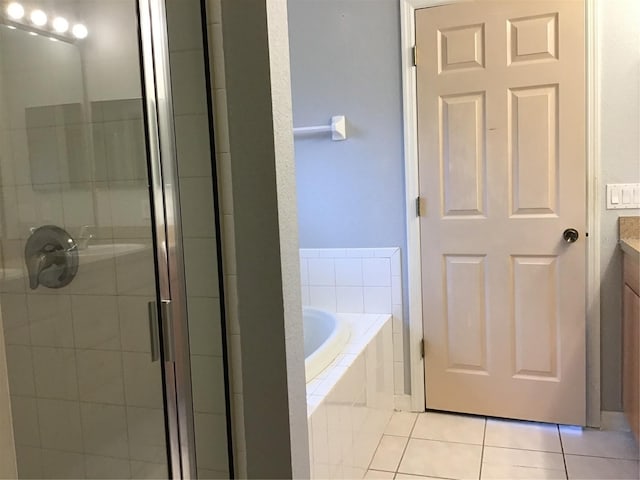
{"x": 631, "y": 359}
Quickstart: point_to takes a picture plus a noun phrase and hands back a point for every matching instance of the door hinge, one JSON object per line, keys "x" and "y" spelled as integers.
{"x": 414, "y": 55}
{"x": 418, "y": 209}
{"x": 422, "y": 348}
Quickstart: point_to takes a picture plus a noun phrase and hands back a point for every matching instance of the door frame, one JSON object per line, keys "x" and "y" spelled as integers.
{"x": 171, "y": 295}
{"x": 409, "y": 101}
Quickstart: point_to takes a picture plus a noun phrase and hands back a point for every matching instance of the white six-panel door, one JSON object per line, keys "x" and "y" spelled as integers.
{"x": 501, "y": 127}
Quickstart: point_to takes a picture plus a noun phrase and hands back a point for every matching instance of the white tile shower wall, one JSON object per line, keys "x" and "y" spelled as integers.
{"x": 86, "y": 399}
{"x": 84, "y": 393}
{"x": 347, "y": 424}
{"x": 199, "y": 236}
{"x": 357, "y": 280}
{"x": 223, "y": 165}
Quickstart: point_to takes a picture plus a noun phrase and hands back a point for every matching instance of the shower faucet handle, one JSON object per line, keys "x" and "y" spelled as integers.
{"x": 51, "y": 255}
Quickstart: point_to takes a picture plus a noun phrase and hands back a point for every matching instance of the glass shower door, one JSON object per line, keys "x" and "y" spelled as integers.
{"x": 88, "y": 391}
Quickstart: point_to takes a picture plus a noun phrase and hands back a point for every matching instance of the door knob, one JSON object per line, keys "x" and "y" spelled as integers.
{"x": 570, "y": 235}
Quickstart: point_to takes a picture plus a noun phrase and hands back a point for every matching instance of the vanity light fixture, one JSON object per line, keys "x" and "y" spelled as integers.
{"x": 15, "y": 11}
{"x": 60, "y": 24}
{"x": 79, "y": 31}
{"x": 38, "y": 18}
{"x": 37, "y": 22}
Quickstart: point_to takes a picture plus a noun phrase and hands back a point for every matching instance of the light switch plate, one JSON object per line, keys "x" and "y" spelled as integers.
{"x": 623, "y": 195}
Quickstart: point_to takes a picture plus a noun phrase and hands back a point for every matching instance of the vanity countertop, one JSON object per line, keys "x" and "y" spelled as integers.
{"x": 631, "y": 246}
{"x": 629, "y": 231}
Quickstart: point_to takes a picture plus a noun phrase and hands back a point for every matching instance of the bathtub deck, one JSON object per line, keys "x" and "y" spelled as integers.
{"x": 352, "y": 400}
{"x": 364, "y": 327}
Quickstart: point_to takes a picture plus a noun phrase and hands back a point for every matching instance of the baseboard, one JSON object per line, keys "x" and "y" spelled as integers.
{"x": 615, "y": 421}
{"x": 402, "y": 403}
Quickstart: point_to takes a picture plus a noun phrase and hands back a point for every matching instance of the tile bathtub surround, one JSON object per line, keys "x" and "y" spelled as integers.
{"x": 435, "y": 445}
{"x": 350, "y": 403}
{"x": 357, "y": 280}
{"x": 364, "y": 329}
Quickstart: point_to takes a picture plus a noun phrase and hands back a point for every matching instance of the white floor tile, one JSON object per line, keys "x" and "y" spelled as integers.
{"x": 406, "y": 476}
{"x": 508, "y": 463}
{"x": 379, "y": 474}
{"x": 583, "y": 468}
{"x": 515, "y": 472}
{"x": 524, "y": 458}
{"x": 441, "y": 459}
{"x": 449, "y": 428}
{"x": 596, "y": 443}
{"x": 349, "y": 471}
{"x": 522, "y": 435}
{"x": 401, "y": 424}
{"x": 389, "y": 453}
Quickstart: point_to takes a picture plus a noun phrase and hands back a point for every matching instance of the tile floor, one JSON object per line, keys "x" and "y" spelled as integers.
{"x": 437, "y": 445}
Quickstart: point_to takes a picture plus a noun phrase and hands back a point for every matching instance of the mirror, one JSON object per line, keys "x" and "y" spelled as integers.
{"x": 58, "y": 137}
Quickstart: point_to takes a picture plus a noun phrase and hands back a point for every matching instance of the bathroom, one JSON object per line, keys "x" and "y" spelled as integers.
{"x": 201, "y": 410}
{"x": 363, "y": 178}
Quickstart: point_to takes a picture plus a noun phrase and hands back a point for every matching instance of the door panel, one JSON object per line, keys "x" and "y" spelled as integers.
{"x": 501, "y": 117}
{"x": 462, "y": 153}
{"x": 534, "y": 315}
{"x": 533, "y": 113}
{"x": 466, "y": 313}
{"x": 533, "y": 38}
{"x": 461, "y": 47}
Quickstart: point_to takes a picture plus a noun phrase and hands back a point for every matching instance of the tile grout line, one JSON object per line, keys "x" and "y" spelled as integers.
{"x": 404, "y": 450}
{"x": 377, "y": 447}
{"x": 564, "y": 458}
{"x": 484, "y": 437}
{"x": 81, "y": 421}
{"x": 395, "y": 473}
{"x": 35, "y": 392}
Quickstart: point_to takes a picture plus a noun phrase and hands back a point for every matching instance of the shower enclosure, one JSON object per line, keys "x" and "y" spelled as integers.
{"x": 112, "y": 324}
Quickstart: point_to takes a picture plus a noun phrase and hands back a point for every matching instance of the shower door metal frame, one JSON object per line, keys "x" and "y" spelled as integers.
{"x": 165, "y": 200}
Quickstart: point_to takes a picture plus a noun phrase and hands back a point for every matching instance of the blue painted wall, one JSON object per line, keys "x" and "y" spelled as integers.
{"x": 345, "y": 60}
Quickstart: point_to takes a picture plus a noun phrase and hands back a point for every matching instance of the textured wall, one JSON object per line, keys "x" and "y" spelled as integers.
{"x": 264, "y": 239}
{"x": 619, "y": 42}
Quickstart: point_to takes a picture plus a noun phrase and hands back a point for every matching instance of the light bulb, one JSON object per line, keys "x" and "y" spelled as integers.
{"x": 15, "y": 11}
{"x": 39, "y": 18}
{"x": 60, "y": 24}
{"x": 80, "y": 31}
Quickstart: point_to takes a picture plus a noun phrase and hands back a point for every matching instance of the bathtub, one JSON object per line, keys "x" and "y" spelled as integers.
{"x": 325, "y": 335}
{"x": 349, "y": 368}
